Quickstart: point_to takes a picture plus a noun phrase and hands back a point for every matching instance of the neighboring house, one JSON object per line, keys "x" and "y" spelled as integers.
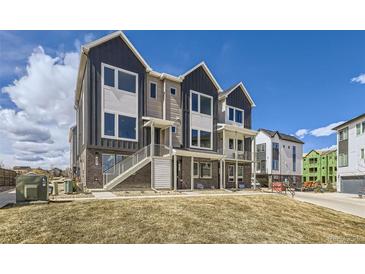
{"x": 138, "y": 128}
{"x": 279, "y": 157}
{"x": 351, "y": 155}
{"x": 320, "y": 166}
{"x": 21, "y": 169}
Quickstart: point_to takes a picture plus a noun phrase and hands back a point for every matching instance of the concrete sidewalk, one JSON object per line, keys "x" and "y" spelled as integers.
{"x": 347, "y": 203}
{"x": 7, "y": 197}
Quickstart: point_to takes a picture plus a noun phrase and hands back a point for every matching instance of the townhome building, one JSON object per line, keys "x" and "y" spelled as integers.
{"x": 139, "y": 128}
{"x": 279, "y": 157}
{"x": 320, "y": 166}
{"x": 351, "y": 155}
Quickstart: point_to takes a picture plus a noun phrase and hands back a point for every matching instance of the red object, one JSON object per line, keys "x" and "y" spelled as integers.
{"x": 278, "y": 186}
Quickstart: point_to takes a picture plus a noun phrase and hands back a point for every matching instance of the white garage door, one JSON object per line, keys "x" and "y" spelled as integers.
{"x": 352, "y": 184}
{"x": 162, "y": 173}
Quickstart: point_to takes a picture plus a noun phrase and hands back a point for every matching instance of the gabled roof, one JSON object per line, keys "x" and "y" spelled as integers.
{"x": 87, "y": 47}
{"x": 224, "y": 94}
{"x": 349, "y": 121}
{"x": 206, "y": 69}
{"x": 281, "y": 135}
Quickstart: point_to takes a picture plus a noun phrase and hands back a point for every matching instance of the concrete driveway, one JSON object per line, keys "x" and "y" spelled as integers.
{"x": 7, "y": 197}
{"x": 348, "y": 203}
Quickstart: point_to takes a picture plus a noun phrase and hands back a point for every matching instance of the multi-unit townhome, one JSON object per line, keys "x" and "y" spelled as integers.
{"x": 320, "y": 166}
{"x": 279, "y": 157}
{"x": 351, "y": 155}
{"x": 138, "y": 128}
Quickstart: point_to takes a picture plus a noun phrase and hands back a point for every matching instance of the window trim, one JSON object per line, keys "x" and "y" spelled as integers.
{"x": 196, "y": 175}
{"x": 234, "y": 115}
{"x": 149, "y": 89}
{"x": 117, "y": 113}
{"x": 199, "y": 146}
{"x": 210, "y": 170}
{"x": 199, "y": 95}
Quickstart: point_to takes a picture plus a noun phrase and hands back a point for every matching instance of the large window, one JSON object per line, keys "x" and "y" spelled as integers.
{"x": 205, "y": 139}
{"x": 294, "y": 158}
{"x": 109, "y": 124}
{"x": 109, "y": 74}
{"x": 205, "y": 105}
{"x": 153, "y": 90}
{"x": 194, "y": 102}
{"x": 196, "y": 170}
{"x": 205, "y": 170}
{"x": 194, "y": 137}
{"x": 358, "y": 129}
{"x": 201, "y": 138}
{"x": 240, "y": 172}
{"x": 127, "y": 127}
{"x": 275, "y": 156}
{"x": 126, "y": 81}
{"x": 201, "y": 103}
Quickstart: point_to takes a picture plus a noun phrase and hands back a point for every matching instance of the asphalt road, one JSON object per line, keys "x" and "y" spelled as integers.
{"x": 348, "y": 203}
{"x": 7, "y": 197}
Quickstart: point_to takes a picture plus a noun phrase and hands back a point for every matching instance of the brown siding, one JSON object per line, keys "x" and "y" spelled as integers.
{"x": 154, "y": 105}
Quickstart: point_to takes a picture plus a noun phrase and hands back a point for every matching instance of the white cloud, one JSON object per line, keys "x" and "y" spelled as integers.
{"x": 328, "y": 148}
{"x": 37, "y": 130}
{"x": 301, "y": 133}
{"x": 325, "y": 131}
{"x": 359, "y": 79}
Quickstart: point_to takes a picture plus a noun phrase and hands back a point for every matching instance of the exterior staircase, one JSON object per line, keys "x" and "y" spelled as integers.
{"x": 130, "y": 165}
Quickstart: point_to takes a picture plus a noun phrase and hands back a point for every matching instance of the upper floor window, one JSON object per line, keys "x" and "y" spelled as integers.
{"x": 358, "y": 129}
{"x": 126, "y": 127}
{"x": 109, "y": 77}
{"x": 153, "y": 90}
{"x": 120, "y": 79}
{"x": 201, "y": 139}
{"x": 231, "y": 144}
{"x": 173, "y": 129}
{"x": 240, "y": 145}
{"x": 238, "y": 116}
{"x": 343, "y": 134}
{"x": 109, "y": 124}
{"x": 173, "y": 91}
{"x": 231, "y": 114}
{"x": 201, "y": 103}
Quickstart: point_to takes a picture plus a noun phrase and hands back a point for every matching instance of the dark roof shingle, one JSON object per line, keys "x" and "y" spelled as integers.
{"x": 282, "y": 136}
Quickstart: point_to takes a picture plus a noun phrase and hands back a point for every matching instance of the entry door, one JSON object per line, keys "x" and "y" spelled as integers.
{"x": 157, "y": 136}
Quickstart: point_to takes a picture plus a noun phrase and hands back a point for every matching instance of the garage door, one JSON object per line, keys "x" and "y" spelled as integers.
{"x": 352, "y": 184}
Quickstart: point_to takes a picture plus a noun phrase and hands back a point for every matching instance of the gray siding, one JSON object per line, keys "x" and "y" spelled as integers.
{"x": 174, "y": 111}
{"x": 238, "y": 99}
{"x": 116, "y": 53}
{"x": 154, "y": 105}
{"x": 199, "y": 81}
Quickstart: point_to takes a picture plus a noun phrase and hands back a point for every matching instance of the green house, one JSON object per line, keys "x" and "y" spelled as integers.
{"x": 320, "y": 166}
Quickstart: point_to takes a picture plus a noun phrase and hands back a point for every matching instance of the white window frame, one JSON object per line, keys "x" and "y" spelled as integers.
{"x": 243, "y": 145}
{"x": 230, "y": 176}
{"x": 172, "y": 88}
{"x": 358, "y": 127}
{"x": 210, "y": 170}
{"x": 346, "y": 129}
{"x": 117, "y": 113}
{"x": 199, "y": 146}
{"x": 204, "y": 115}
{"x": 149, "y": 89}
{"x": 240, "y": 176}
{"x": 234, "y": 115}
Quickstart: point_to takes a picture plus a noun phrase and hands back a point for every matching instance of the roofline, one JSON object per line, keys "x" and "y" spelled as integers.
{"x": 278, "y": 133}
{"x": 167, "y": 76}
{"x": 349, "y": 121}
{"x": 205, "y": 67}
{"x": 86, "y": 48}
{"x": 240, "y": 84}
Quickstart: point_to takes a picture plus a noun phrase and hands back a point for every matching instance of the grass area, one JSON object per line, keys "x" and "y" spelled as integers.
{"x": 223, "y": 219}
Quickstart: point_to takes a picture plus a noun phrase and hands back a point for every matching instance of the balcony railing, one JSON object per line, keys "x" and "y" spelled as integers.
{"x": 241, "y": 155}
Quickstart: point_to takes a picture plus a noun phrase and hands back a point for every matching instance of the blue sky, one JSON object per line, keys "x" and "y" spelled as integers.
{"x": 298, "y": 79}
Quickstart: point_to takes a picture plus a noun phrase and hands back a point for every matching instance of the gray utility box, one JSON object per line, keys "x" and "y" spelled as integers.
{"x": 31, "y": 187}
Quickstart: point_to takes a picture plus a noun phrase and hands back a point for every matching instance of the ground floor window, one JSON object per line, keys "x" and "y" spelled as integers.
{"x": 108, "y": 162}
{"x": 231, "y": 171}
{"x": 202, "y": 170}
{"x": 196, "y": 170}
{"x": 240, "y": 172}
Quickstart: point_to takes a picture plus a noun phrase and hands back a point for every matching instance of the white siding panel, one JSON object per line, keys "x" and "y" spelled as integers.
{"x": 199, "y": 121}
{"x": 162, "y": 173}
{"x": 120, "y": 102}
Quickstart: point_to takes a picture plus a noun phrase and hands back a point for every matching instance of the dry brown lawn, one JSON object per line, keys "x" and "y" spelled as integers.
{"x": 233, "y": 219}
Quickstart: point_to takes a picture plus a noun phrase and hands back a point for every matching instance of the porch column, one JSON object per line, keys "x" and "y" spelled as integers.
{"x": 253, "y": 156}
{"x": 170, "y": 139}
{"x": 236, "y": 157}
{"x": 224, "y": 142}
{"x": 152, "y": 139}
{"x": 224, "y": 174}
{"x": 175, "y": 173}
{"x": 192, "y": 174}
{"x": 221, "y": 175}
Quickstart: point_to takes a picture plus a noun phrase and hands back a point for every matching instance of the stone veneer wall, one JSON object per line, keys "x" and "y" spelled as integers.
{"x": 140, "y": 180}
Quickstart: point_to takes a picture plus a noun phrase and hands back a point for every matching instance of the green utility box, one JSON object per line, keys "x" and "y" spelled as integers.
{"x": 68, "y": 187}
{"x": 31, "y": 187}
